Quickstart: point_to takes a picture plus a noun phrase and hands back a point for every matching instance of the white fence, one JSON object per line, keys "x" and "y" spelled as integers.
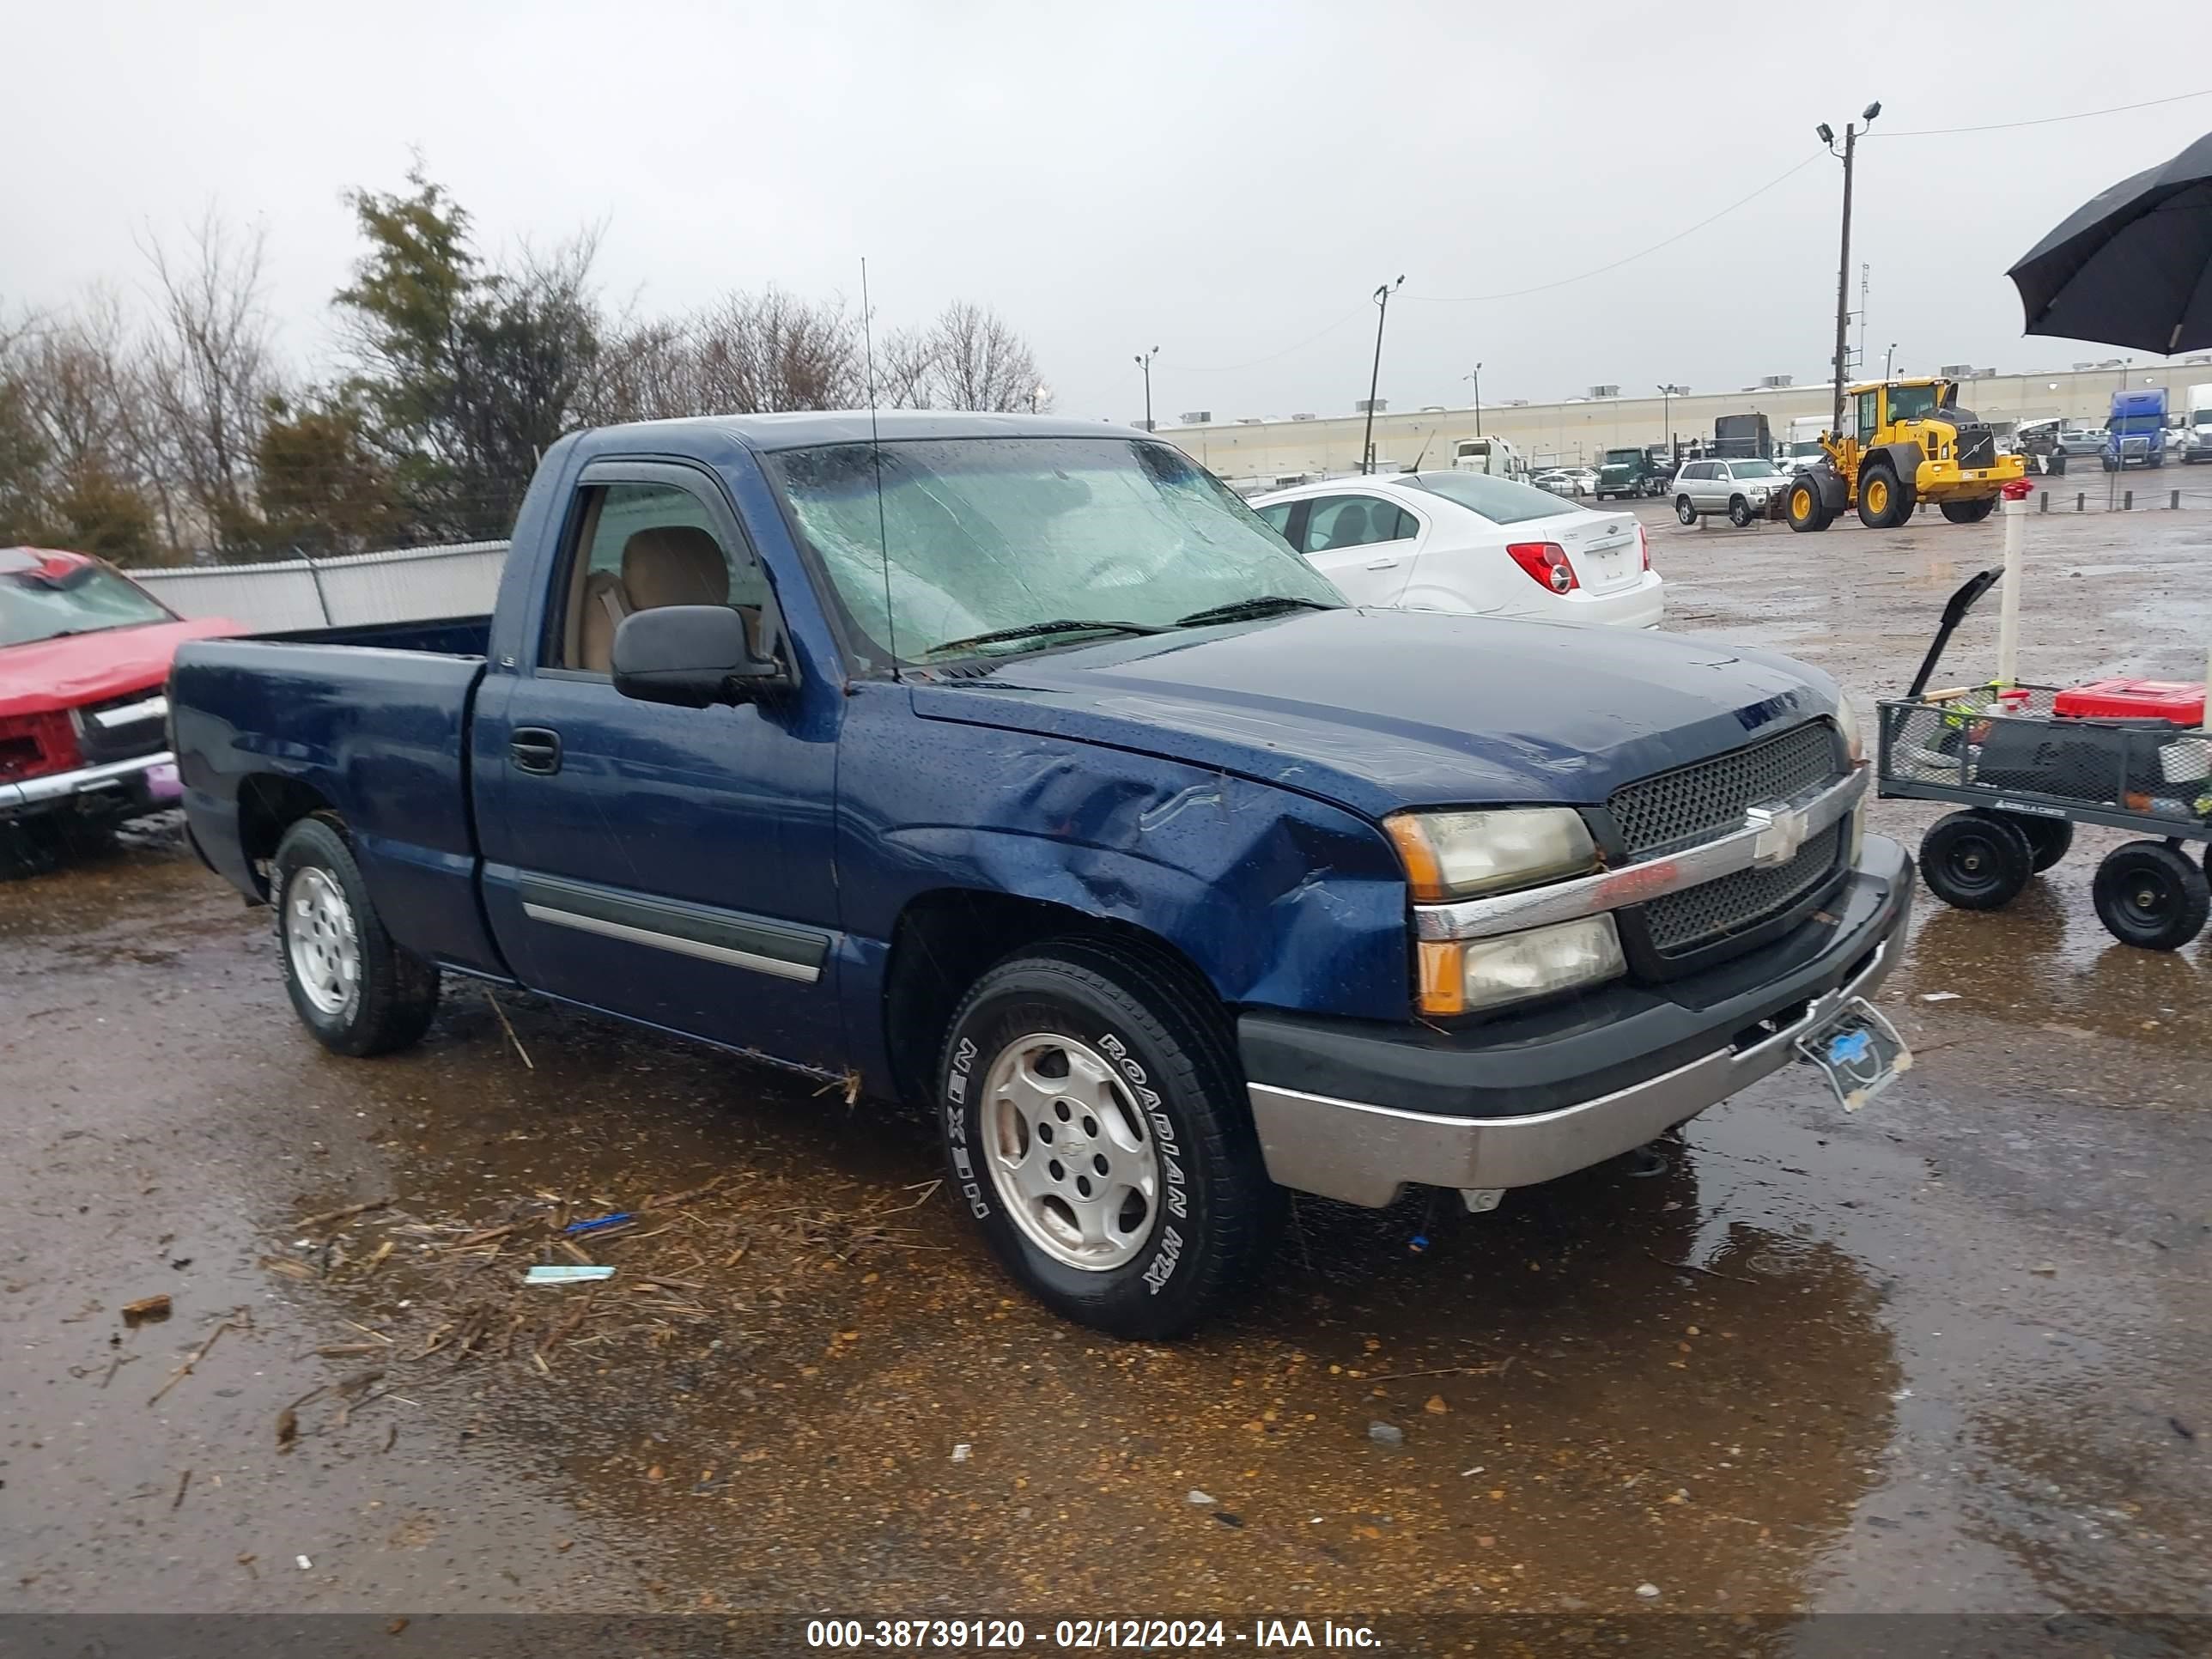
{"x": 407, "y": 585}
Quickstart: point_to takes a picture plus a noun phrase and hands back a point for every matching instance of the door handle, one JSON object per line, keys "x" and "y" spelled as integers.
{"x": 535, "y": 749}
{"x": 1383, "y": 564}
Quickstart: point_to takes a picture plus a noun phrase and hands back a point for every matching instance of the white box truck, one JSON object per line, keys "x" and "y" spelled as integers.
{"x": 2198, "y": 422}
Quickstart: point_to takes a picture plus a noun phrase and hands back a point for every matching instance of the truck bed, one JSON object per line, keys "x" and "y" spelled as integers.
{"x": 372, "y": 722}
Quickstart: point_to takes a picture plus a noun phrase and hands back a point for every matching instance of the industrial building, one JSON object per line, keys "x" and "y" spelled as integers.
{"x": 1576, "y": 431}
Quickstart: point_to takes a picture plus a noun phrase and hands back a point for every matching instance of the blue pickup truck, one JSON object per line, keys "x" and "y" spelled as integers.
{"x": 1013, "y": 765}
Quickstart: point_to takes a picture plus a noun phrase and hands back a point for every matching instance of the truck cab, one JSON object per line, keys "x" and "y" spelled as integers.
{"x": 2135, "y": 433}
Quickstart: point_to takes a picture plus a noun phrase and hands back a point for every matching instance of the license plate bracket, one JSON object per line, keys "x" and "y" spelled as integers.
{"x": 1857, "y": 1050}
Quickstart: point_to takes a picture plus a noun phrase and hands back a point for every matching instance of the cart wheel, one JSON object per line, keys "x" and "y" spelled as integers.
{"x": 2048, "y": 839}
{"x": 1976, "y": 860}
{"x": 2152, "y": 896}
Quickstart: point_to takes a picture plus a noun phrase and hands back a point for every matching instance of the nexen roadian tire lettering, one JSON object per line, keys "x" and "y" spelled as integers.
{"x": 1095, "y": 1122}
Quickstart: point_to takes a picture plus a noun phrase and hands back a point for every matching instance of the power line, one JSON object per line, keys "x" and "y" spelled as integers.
{"x": 2044, "y": 120}
{"x": 1545, "y": 287}
{"x": 1232, "y": 368}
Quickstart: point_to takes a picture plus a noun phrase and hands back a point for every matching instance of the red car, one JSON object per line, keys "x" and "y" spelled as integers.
{"x": 84, "y": 671}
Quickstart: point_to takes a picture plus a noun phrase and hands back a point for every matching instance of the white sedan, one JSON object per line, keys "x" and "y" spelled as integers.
{"x": 1467, "y": 542}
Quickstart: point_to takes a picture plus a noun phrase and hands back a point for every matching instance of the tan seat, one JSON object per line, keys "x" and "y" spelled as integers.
{"x": 664, "y": 564}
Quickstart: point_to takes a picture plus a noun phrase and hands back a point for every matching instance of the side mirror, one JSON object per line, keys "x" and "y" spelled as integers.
{"x": 692, "y": 655}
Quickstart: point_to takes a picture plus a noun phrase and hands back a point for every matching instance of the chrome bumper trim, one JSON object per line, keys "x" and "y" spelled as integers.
{"x": 1366, "y": 1155}
{"x": 1771, "y": 835}
{"x": 33, "y": 791}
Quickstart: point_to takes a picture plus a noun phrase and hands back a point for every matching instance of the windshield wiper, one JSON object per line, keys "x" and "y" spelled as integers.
{"x": 1039, "y": 631}
{"x": 1266, "y": 604}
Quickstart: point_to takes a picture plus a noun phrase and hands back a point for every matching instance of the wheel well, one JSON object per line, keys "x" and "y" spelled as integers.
{"x": 946, "y": 940}
{"x": 267, "y": 806}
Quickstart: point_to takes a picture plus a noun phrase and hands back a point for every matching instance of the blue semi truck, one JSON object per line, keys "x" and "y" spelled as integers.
{"x": 2135, "y": 433}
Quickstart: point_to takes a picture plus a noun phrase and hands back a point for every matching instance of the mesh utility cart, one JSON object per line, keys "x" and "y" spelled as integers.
{"x": 2025, "y": 767}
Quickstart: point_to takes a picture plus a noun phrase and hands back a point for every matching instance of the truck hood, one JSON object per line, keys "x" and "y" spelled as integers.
{"x": 48, "y": 675}
{"x": 1377, "y": 710}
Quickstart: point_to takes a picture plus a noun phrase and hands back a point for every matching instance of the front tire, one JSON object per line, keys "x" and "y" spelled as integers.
{"x": 2048, "y": 839}
{"x": 1684, "y": 510}
{"x": 1976, "y": 860}
{"x": 1972, "y": 512}
{"x": 1806, "y": 507}
{"x": 358, "y": 992}
{"x": 2152, "y": 896}
{"x": 1885, "y": 499}
{"x": 1095, "y": 1122}
{"x": 1739, "y": 512}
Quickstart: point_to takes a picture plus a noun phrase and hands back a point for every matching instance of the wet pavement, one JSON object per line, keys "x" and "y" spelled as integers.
{"x": 1953, "y": 1352}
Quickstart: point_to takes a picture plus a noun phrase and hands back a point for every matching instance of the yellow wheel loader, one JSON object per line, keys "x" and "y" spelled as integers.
{"x": 1906, "y": 442}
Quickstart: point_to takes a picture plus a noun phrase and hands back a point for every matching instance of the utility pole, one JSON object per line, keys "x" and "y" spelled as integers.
{"x": 1866, "y": 279}
{"x": 1477, "y": 378}
{"x": 1143, "y": 360}
{"x": 1843, "y": 260}
{"x": 1375, "y": 377}
{"x": 1668, "y": 393}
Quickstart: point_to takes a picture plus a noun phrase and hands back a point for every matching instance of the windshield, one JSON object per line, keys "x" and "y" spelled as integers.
{"x": 1624, "y": 457}
{"x": 1912, "y": 402}
{"x": 46, "y": 603}
{"x": 1501, "y": 500}
{"x": 1754, "y": 469}
{"x": 987, "y": 535}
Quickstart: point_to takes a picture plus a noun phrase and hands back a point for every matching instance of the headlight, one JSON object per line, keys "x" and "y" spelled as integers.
{"x": 1461, "y": 977}
{"x": 1456, "y": 856}
{"x": 1848, "y": 719}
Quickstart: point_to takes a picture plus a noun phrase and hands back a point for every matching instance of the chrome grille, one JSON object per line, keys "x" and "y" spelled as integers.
{"x": 113, "y": 739}
{"x": 1698, "y": 916}
{"x": 1696, "y": 803}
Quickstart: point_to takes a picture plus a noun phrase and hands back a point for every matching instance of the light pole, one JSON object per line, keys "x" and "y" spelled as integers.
{"x": 1843, "y": 264}
{"x": 1038, "y": 393}
{"x": 1668, "y": 393}
{"x": 1477, "y": 378}
{"x": 1143, "y": 360}
{"x": 1375, "y": 377}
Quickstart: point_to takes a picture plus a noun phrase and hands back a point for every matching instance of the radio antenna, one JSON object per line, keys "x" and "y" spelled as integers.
{"x": 876, "y": 450}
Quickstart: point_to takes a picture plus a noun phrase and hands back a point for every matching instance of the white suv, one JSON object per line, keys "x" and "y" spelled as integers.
{"x": 1740, "y": 488}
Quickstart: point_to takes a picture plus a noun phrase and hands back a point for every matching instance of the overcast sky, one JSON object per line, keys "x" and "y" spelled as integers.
{"x": 1228, "y": 182}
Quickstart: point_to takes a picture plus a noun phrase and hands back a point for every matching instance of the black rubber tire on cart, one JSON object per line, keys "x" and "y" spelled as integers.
{"x": 1885, "y": 499}
{"x": 357, "y": 991}
{"x": 2048, "y": 839}
{"x": 1150, "y": 1081}
{"x": 1976, "y": 860}
{"x": 1972, "y": 512}
{"x": 1684, "y": 510}
{"x": 1805, "y": 508}
{"x": 2152, "y": 896}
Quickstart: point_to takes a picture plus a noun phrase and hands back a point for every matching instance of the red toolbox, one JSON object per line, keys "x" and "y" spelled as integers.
{"x": 2181, "y": 701}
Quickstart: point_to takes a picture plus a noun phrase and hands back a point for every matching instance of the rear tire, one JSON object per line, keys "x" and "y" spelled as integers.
{"x": 1885, "y": 499}
{"x": 1739, "y": 512}
{"x": 1684, "y": 510}
{"x": 1151, "y": 1081}
{"x": 1976, "y": 860}
{"x": 1972, "y": 512}
{"x": 358, "y": 992}
{"x": 2152, "y": 896}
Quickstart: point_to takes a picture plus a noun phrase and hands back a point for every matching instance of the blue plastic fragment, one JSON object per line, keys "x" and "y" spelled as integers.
{"x": 598, "y": 1224}
{"x": 1419, "y": 1242}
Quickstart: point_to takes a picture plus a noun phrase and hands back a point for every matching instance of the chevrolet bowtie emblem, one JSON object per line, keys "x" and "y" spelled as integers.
{"x": 1781, "y": 829}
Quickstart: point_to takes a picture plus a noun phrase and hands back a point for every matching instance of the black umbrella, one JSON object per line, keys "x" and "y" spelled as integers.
{"x": 2133, "y": 266}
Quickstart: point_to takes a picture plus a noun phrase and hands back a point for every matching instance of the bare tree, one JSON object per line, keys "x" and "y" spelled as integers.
{"x": 205, "y": 378}
{"x": 981, "y": 363}
{"x": 906, "y": 365}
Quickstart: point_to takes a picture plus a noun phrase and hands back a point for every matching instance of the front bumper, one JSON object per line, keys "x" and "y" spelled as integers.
{"x": 1353, "y": 1113}
{"x": 120, "y": 789}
